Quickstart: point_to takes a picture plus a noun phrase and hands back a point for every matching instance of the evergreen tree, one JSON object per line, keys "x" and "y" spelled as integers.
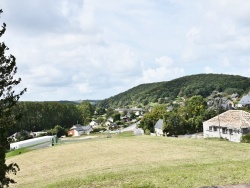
{"x": 8, "y": 99}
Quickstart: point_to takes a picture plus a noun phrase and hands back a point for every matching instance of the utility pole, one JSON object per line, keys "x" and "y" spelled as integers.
{"x": 219, "y": 124}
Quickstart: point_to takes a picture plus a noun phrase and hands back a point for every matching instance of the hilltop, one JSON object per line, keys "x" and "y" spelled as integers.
{"x": 187, "y": 86}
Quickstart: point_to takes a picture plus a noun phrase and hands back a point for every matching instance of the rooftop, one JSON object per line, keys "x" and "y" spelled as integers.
{"x": 231, "y": 119}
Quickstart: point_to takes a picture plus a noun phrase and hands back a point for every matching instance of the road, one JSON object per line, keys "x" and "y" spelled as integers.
{"x": 132, "y": 127}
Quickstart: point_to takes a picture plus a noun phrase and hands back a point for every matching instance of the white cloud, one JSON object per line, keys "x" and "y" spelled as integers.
{"x": 98, "y": 49}
{"x": 164, "y": 61}
{"x": 208, "y": 70}
{"x": 164, "y": 72}
{"x": 84, "y": 88}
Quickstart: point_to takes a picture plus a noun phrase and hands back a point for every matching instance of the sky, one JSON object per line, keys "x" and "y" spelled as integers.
{"x": 95, "y": 49}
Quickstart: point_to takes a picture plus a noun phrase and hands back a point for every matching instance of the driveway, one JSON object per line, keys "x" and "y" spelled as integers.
{"x": 132, "y": 127}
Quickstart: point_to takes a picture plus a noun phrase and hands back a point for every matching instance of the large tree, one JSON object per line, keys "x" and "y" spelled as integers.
{"x": 86, "y": 112}
{"x": 8, "y": 99}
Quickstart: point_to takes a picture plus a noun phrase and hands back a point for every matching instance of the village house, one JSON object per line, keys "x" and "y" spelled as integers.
{"x": 227, "y": 104}
{"x": 137, "y": 111}
{"x": 113, "y": 126}
{"x": 244, "y": 101}
{"x": 78, "y": 130}
{"x": 94, "y": 124}
{"x": 158, "y": 128}
{"x": 231, "y": 125}
{"x": 108, "y": 123}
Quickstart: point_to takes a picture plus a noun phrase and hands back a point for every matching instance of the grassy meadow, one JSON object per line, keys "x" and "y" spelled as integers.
{"x": 135, "y": 161}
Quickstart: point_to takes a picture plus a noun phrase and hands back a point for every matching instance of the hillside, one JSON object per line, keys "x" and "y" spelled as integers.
{"x": 135, "y": 161}
{"x": 187, "y": 86}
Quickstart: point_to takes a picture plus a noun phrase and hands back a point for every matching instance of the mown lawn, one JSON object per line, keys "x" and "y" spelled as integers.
{"x": 135, "y": 161}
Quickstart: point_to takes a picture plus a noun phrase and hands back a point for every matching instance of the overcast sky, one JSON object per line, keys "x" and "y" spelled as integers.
{"x": 95, "y": 49}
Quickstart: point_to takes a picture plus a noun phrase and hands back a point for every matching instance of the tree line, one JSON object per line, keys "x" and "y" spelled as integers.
{"x": 37, "y": 116}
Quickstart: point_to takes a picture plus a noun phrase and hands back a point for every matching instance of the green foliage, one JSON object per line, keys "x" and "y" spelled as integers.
{"x": 172, "y": 123}
{"x": 246, "y": 138}
{"x": 149, "y": 119}
{"x": 188, "y": 86}
{"x": 147, "y": 132}
{"x": 100, "y": 111}
{"x": 182, "y": 119}
{"x": 195, "y": 106}
{"x": 86, "y": 112}
{"x": 23, "y": 135}
{"x": 37, "y": 116}
{"x": 59, "y": 131}
{"x": 8, "y": 99}
{"x": 132, "y": 115}
{"x": 100, "y": 119}
{"x": 98, "y": 130}
{"x": 109, "y": 112}
{"x": 116, "y": 116}
{"x": 17, "y": 152}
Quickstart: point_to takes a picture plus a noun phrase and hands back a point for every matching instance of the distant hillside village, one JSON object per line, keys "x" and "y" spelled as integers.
{"x": 205, "y": 105}
{"x": 219, "y": 115}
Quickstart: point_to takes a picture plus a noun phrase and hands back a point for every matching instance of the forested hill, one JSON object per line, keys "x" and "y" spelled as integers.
{"x": 187, "y": 86}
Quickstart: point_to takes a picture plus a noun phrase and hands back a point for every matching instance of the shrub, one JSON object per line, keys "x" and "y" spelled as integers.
{"x": 147, "y": 132}
{"x": 246, "y": 138}
{"x": 98, "y": 130}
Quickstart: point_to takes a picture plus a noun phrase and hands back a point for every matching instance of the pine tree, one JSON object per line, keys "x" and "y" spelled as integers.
{"x": 8, "y": 99}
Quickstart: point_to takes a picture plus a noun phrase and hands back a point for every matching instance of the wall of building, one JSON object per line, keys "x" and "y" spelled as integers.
{"x": 31, "y": 142}
{"x": 234, "y": 136}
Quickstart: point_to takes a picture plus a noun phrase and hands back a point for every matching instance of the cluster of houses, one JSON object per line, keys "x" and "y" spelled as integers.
{"x": 77, "y": 130}
{"x": 230, "y": 125}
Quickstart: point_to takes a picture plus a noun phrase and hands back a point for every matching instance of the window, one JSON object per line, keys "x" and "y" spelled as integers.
{"x": 230, "y": 131}
{"x": 245, "y": 130}
{"x": 224, "y": 130}
{"x": 210, "y": 128}
{"x": 215, "y": 128}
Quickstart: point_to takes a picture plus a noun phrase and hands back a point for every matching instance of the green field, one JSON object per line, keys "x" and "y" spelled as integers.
{"x": 135, "y": 161}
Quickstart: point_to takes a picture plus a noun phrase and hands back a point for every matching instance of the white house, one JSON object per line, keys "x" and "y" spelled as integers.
{"x": 110, "y": 119}
{"x": 158, "y": 128}
{"x": 94, "y": 124}
{"x": 108, "y": 123}
{"x": 227, "y": 104}
{"x": 78, "y": 130}
{"x": 244, "y": 101}
{"x": 137, "y": 111}
{"x": 230, "y": 125}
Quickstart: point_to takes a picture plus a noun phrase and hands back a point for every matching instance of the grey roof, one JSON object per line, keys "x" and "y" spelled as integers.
{"x": 77, "y": 127}
{"x": 86, "y": 128}
{"x": 159, "y": 124}
{"x": 234, "y": 95}
{"x": 245, "y": 99}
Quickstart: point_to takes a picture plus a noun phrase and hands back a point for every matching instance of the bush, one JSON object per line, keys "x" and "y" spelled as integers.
{"x": 147, "y": 132}
{"x": 246, "y": 138}
{"x": 119, "y": 123}
{"x": 98, "y": 130}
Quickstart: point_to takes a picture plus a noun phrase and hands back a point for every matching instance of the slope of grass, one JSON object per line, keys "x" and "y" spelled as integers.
{"x": 17, "y": 152}
{"x": 141, "y": 161}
